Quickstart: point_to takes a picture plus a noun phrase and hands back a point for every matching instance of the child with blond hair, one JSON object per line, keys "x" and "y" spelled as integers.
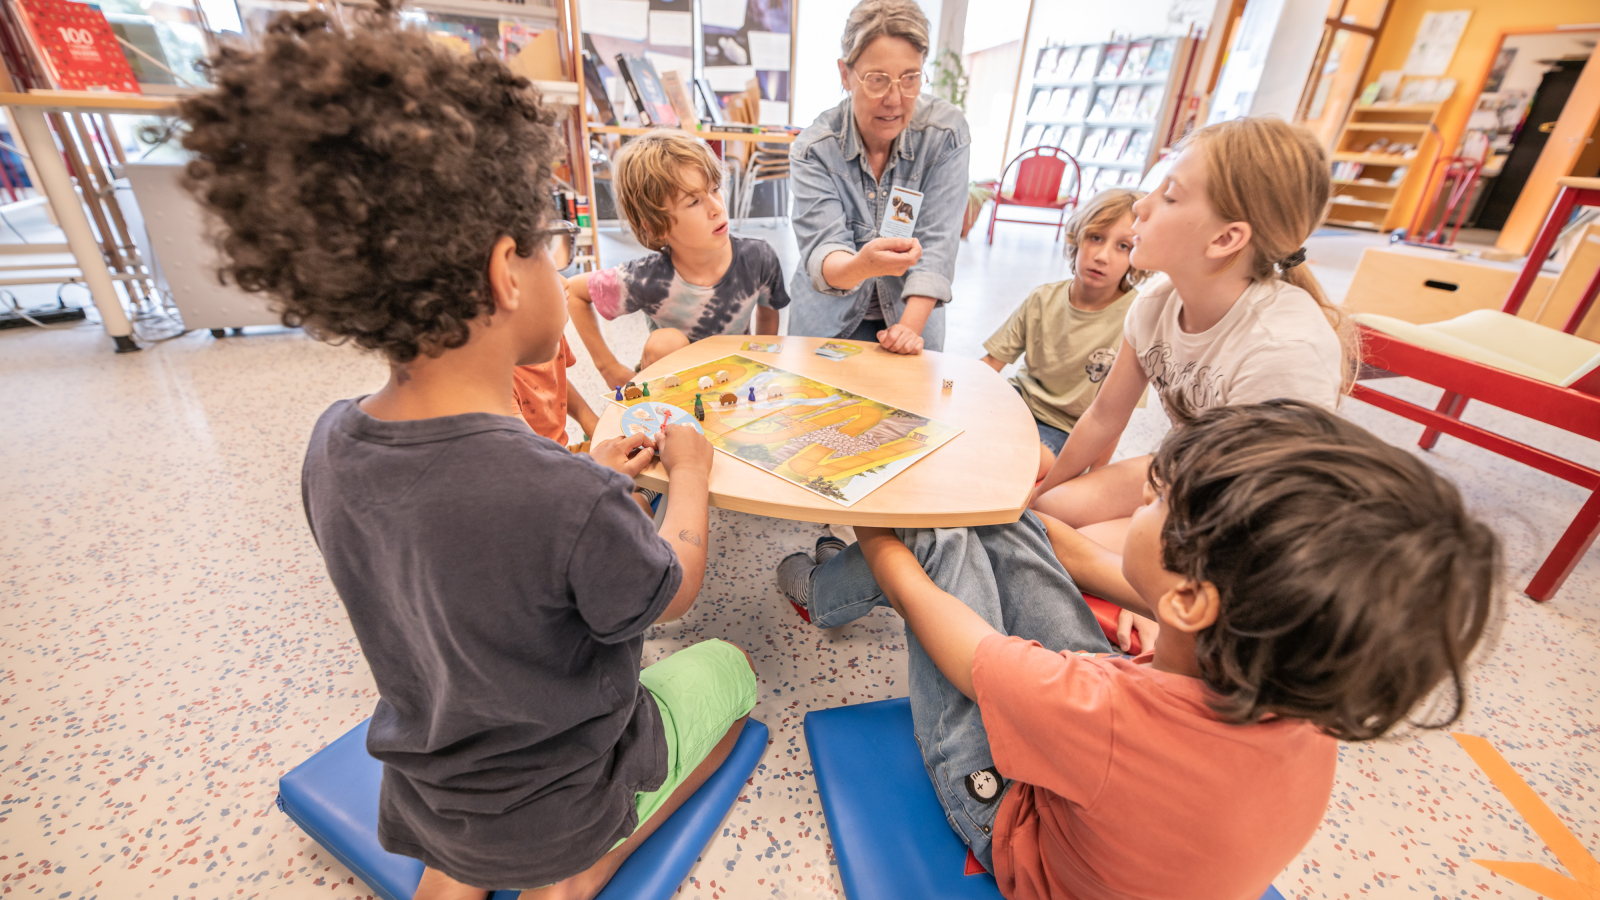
{"x": 701, "y": 281}
{"x": 1068, "y": 332}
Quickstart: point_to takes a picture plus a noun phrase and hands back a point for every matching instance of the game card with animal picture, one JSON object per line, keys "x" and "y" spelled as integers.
{"x": 900, "y": 219}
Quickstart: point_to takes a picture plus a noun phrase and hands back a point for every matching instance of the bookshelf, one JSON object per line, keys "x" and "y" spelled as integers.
{"x": 1375, "y": 158}
{"x": 1112, "y": 105}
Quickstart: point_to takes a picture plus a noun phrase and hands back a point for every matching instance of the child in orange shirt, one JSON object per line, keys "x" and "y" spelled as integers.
{"x": 545, "y": 397}
{"x": 1312, "y": 584}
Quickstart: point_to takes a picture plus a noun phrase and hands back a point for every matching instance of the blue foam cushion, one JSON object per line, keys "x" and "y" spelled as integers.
{"x": 334, "y": 797}
{"x": 889, "y": 832}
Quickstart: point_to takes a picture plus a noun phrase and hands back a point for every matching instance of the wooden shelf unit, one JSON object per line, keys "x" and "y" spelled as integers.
{"x": 1368, "y": 180}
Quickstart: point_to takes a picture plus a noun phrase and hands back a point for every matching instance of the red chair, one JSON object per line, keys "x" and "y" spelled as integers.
{"x": 1039, "y": 174}
{"x": 1499, "y": 359}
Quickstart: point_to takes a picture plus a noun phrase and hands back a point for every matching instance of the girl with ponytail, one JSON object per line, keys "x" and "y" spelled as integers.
{"x": 1233, "y": 317}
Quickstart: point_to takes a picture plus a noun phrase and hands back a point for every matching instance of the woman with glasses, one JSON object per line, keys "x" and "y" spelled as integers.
{"x": 853, "y": 282}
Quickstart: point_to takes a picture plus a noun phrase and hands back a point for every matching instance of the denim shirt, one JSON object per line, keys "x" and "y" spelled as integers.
{"x": 838, "y": 205}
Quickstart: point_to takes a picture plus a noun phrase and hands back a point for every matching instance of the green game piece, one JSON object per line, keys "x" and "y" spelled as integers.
{"x": 699, "y": 408}
{"x": 647, "y": 388}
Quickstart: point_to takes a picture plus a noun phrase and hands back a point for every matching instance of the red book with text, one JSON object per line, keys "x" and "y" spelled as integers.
{"x": 78, "y": 46}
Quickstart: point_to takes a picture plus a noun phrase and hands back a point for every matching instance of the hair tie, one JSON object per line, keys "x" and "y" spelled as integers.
{"x": 1293, "y": 259}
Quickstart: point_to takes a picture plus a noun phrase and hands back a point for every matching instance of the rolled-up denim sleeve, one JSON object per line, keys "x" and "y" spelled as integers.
{"x": 820, "y": 223}
{"x": 944, "y": 204}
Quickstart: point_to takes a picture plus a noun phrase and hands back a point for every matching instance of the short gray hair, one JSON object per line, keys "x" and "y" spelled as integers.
{"x": 873, "y": 19}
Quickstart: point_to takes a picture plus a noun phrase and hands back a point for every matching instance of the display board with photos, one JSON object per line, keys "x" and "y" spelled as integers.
{"x": 1110, "y": 105}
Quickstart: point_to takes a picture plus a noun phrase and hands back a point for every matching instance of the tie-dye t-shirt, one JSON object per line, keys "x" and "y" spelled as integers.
{"x": 651, "y": 284}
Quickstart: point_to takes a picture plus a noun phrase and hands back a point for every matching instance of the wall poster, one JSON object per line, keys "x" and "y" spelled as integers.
{"x": 745, "y": 39}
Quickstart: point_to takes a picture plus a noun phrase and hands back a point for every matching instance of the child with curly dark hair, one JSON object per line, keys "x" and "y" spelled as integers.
{"x": 1312, "y": 584}
{"x": 386, "y": 192}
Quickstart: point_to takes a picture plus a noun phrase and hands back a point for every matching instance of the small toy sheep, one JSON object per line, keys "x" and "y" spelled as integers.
{"x": 705, "y": 382}
{"x": 722, "y": 376}
{"x": 671, "y": 381}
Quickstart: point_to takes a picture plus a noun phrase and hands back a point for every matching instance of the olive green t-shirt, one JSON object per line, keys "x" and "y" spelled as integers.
{"x": 1068, "y": 351}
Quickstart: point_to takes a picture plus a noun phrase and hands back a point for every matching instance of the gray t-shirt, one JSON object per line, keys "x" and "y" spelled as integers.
{"x": 500, "y": 587}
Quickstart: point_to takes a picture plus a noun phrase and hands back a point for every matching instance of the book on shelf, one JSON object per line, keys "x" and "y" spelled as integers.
{"x": 1031, "y": 138}
{"x": 1051, "y": 137}
{"x": 1040, "y": 108}
{"x": 1078, "y": 106}
{"x": 1130, "y": 179}
{"x": 1071, "y": 138}
{"x": 1122, "y": 109}
{"x": 1149, "y": 104}
{"x": 76, "y": 46}
{"x": 1116, "y": 141}
{"x": 1112, "y": 64}
{"x": 644, "y": 86}
{"x": 1138, "y": 54}
{"x": 595, "y": 87}
{"x": 1091, "y": 143}
{"x": 708, "y": 101}
{"x": 1066, "y": 62}
{"x": 1104, "y": 99}
{"x": 1047, "y": 63}
{"x": 1107, "y": 178}
{"x": 672, "y": 85}
{"x": 1084, "y": 70}
{"x": 1138, "y": 147}
{"x": 1160, "y": 61}
{"x": 1086, "y": 182}
{"x": 1060, "y": 98}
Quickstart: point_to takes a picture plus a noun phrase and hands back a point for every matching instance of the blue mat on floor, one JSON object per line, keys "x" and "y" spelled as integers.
{"x": 889, "y": 832}
{"x": 334, "y": 797}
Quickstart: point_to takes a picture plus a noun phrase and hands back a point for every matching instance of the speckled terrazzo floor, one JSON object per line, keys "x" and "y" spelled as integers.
{"x": 171, "y": 646}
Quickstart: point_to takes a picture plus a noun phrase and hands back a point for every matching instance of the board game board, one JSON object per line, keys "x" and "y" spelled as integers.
{"x": 827, "y": 440}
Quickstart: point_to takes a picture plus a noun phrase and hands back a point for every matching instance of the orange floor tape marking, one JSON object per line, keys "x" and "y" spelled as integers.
{"x": 1585, "y": 883}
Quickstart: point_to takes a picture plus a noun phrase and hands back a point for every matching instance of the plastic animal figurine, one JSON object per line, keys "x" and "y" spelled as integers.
{"x": 705, "y": 382}
{"x": 722, "y": 376}
{"x": 671, "y": 381}
{"x": 632, "y": 392}
{"x": 730, "y": 399}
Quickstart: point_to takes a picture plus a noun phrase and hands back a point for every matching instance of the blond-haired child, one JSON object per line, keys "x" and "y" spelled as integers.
{"x": 701, "y": 282}
{"x": 1068, "y": 331}
{"x": 1234, "y": 316}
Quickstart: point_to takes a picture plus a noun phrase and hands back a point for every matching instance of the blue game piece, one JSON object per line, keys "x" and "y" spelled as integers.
{"x": 752, "y": 393}
{"x": 619, "y": 393}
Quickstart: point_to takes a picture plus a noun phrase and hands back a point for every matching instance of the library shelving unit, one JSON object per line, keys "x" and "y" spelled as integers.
{"x": 1368, "y": 175}
{"x": 1111, "y": 105}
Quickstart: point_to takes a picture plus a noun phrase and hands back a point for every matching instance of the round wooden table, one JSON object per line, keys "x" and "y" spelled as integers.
{"x": 981, "y": 477}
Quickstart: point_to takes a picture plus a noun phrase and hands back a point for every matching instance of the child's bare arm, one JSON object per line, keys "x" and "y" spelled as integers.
{"x": 993, "y": 363}
{"x": 687, "y": 457}
{"x": 947, "y": 628}
{"x": 1093, "y": 568}
{"x": 1102, "y": 424}
{"x": 766, "y": 320}
{"x": 580, "y": 308}
{"x": 579, "y": 409}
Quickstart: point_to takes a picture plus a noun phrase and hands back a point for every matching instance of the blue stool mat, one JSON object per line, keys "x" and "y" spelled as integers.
{"x": 889, "y": 832}
{"x": 334, "y": 797}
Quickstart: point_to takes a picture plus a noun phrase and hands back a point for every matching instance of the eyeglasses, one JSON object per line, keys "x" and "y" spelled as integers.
{"x": 560, "y": 240}
{"x": 876, "y": 84}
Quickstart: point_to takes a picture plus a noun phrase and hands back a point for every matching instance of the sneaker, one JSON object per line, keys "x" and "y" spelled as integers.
{"x": 794, "y": 579}
{"x": 843, "y": 532}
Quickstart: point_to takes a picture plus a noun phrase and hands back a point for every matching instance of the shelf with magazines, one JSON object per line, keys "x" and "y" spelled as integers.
{"x": 1121, "y": 94}
{"x": 1375, "y": 157}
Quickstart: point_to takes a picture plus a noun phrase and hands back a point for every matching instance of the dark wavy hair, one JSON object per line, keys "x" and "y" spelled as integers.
{"x": 362, "y": 175}
{"x": 1352, "y": 581}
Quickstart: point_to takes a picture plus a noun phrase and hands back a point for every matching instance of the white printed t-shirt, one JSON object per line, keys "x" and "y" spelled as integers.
{"x": 1275, "y": 342}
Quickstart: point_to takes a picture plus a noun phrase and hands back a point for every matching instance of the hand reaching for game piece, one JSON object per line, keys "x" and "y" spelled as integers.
{"x": 684, "y": 449}
{"x": 628, "y": 455}
{"x": 897, "y": 338}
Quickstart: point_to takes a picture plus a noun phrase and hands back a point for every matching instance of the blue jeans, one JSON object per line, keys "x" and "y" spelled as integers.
{"x": 1049, "y": 435}
{"x": 1008, "y": 575}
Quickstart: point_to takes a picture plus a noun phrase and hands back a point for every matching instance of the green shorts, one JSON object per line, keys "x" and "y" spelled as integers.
{"x": 701, "y": 691}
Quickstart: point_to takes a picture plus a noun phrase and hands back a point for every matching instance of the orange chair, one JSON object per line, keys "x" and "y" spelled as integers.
{"x": 1497, "y": 358}
{"x": 1039, "y": 174}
